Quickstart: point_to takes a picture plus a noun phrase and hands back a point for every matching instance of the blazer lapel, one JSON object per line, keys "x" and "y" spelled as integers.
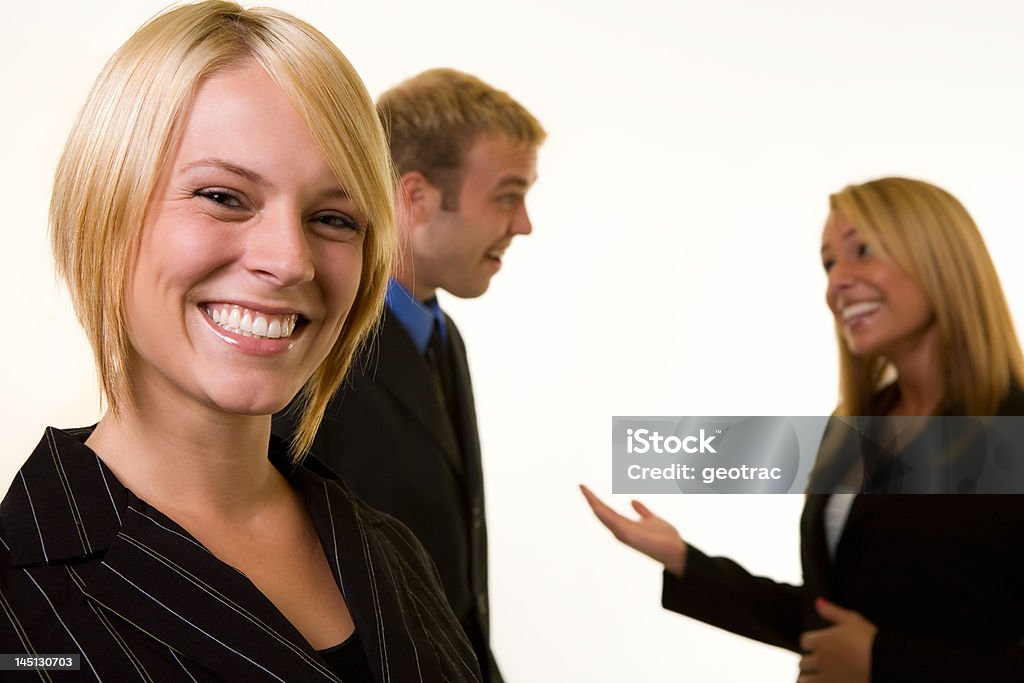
{"x": 63, "y": 504}
{"x": 370, "y": 581}
{"x": 396, "y": 365}
{"x": 817, "y": 566}
{"x": 137, "y": 563}
{"x": 158, "y": 578}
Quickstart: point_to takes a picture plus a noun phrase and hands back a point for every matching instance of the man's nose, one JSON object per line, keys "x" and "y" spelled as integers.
{"x": 521, "y": 223}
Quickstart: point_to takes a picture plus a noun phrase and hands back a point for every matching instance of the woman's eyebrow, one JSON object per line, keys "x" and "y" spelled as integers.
{"x": 852, "y": 232}
{"x": 335, "y": 192}
{"x": 216, "y": 162}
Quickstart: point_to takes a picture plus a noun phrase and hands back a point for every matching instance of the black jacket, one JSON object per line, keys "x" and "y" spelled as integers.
{"x": 939, "y": 575}
{"x": 88, "y": 568}
{"x": 387, "y": 434}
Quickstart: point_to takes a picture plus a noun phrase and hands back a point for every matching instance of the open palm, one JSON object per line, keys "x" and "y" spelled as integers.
{"x": 650, "y": 534}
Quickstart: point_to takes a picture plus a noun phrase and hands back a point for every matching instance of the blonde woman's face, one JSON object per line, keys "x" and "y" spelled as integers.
{"x": 249, "y": 259}
{"x": 879, "y": 308}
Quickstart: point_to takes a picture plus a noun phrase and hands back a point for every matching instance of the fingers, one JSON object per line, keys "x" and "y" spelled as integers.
{"x": 596, "y": 504}
{"x": 608, "y": 516}
{"x": 809, "y": 669}
{"x": 832, "y": 612}
{"x": 588, "y": 494}
{"x": 629, "y": 531}
{"x": 650, "y": 535}
{"x": 808, "y": 639}
{"x": 600, "y": 508}
{"x": 642, "y": 510}
{"x": 809, "y": 663}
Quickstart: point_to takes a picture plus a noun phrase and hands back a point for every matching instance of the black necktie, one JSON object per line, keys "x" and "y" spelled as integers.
{"x": 440, "y": 364}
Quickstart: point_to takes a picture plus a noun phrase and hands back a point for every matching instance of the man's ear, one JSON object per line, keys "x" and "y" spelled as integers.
{"x": 418, "y": 198}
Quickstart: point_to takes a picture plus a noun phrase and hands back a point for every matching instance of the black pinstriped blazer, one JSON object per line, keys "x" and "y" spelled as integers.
{"x": 88, "y": 568}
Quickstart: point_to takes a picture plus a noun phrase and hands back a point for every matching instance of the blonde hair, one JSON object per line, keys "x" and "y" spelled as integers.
{"x": 131, "y": 121}
{"x": 433, "y": 118}
{"x": 926, "y": 232}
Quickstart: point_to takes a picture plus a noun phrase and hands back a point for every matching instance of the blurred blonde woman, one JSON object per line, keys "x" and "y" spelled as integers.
{"x": 222, "y": 216}
{"x": 896, "y": 587}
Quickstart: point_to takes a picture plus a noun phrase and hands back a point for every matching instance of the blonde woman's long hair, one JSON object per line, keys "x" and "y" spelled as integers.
{"x": 926, "y": 232}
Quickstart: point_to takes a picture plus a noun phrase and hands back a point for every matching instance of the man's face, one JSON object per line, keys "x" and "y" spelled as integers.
{"x": 460, "y": 250}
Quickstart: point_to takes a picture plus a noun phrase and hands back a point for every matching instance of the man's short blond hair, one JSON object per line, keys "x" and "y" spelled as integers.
{"x": 129, "y": 126}
{"x": 432, "y": 119}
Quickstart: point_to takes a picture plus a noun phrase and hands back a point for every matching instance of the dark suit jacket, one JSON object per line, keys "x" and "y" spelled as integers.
{"x": 388, "y": 436}
{"x": 941, "y": 576}
{"x": 88, "y": 568}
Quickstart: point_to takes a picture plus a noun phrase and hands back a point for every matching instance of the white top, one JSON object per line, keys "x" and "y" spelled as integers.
{"x": 836, "y": 511}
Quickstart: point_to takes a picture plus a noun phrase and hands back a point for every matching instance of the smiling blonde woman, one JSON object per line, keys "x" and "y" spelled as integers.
{"x": 222, "y": 215}
{"x": 899, "y": 587}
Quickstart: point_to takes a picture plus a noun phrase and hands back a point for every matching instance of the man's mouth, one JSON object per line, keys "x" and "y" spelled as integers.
{"x": 250, "y": 323}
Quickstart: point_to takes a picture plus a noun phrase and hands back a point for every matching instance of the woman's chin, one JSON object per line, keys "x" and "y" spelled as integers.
{"x": 251, "y": 405}
{"x": 859, "y": 344}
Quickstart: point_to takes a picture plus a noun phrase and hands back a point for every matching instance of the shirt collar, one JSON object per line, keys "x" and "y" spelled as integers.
{"x": 417, "y": 317}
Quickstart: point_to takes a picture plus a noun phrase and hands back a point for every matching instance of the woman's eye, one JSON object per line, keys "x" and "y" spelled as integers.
{"x": 827, "y": 264}
{"x": 222, "y": 197}
{"x": 863, "y": 250}
{"x": 338, "y": 221}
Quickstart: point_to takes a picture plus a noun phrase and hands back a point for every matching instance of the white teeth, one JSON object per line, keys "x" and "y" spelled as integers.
{"x": 859, "y": 309}
{"x": 251, "y": 324}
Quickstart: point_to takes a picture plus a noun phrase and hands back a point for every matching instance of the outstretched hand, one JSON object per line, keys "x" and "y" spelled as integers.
{"x": 650, "y": 534}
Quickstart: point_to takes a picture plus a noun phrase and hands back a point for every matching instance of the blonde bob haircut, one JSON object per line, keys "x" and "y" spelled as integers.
{"x": 927, "y": 233}
{"x": 131, "y": 122}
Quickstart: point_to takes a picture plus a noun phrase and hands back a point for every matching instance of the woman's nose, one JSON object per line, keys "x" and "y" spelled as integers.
{"x": 277, "y": 248}
{"x": 840, "y": 275}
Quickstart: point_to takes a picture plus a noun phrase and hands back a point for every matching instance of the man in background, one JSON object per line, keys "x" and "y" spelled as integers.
{"x": 402, "y": 430}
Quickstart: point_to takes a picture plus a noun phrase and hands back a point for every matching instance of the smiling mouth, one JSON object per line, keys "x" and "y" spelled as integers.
{"x": 859, "y": 310}
{"x": 250, "y": 323}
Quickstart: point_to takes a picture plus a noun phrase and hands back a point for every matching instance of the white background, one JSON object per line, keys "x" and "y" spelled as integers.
{"x": 673, "y": 269}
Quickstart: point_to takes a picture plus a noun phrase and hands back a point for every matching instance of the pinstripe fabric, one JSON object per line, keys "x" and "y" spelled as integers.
{"x": 86, "y": 567}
